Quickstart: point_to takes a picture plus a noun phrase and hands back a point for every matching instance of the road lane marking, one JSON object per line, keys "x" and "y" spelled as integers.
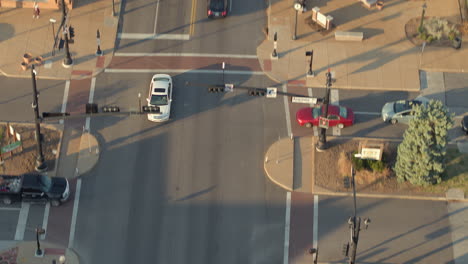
{"x": 153, "y": 36}
{"x": 156, "y": 18}
{"x": 10, "y": 209}
{"x": 286, "y": 109}
{"x": 183, "y": 71}
{"x": 286, "y": 228}
{"x": 193, "y": 17}
{"x": 74, "y": 214}
{"x": 315, "y": 224}
{"x": 45, "y": 220}
{"x": 175, "y": 54}
{"x": 367, "y": 113}
{"x": 65, "y": 99}
{"x": 90, "y": 100}
{"x": 22, "y": 219}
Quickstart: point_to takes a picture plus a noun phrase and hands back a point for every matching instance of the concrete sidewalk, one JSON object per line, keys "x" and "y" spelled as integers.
{"x": 21, "y": 33}
{"x": 384, "y": 60}
{"x": 23, "y": 253}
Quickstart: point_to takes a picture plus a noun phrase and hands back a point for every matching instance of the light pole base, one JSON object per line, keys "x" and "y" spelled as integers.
{"x": 294, "y": 37}
{"x": 67, "y": 63}
{"x": 39, "y": 253}
{"x": 321, "y": 147}
{"x": 311, "y": 74}
{"x": 41, "y": 166}
{"x": 99, "y": 53}
{"x": 273, "y": 57}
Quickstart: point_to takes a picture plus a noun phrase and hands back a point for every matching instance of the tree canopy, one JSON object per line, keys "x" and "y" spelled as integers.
{"x": 421, "y": 155}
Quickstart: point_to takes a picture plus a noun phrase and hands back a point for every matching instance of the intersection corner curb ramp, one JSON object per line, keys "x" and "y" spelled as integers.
{"x": 279, "y": 163}
{"x": 88, "y": 154}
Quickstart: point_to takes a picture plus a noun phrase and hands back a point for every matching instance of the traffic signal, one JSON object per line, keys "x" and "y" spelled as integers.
{"x": 257, "y": 92}
{"x": 71, "y": 32}
{"x": 150, "y": 109}
{"x": 61, "y": 44}
{"x": 91, "y": 108}
{"x": 215, "y": 89}
{"x": 113, "y": 109}
{"x": 47, "y": 114}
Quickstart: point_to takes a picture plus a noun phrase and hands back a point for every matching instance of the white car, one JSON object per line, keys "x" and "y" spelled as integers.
{"x": 160, "y": 96}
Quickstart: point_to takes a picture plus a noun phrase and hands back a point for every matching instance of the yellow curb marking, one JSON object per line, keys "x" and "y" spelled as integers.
{"x": 192, "y": 17}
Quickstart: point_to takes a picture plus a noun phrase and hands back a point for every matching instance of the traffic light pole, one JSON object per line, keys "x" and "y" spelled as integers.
{"x": 41, "y": 166}
{"x": 321, "y": 145}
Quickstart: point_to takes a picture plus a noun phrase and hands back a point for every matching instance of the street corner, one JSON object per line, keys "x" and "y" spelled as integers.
{"x": 25, "y": 253}
{"x": 88, "y": 155}
{"x": 279, "y": 163}
{"x": 272, "y": 66}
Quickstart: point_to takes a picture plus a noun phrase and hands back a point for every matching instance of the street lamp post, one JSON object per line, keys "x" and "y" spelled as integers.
{"x": 355, "y": 224}
{"x": 321, "y": 145}
{"x": 420, "y": 29}
{"x": 41, "y": 166}
{"x": 311, "y": 54}
{"x": 275, "y": 45}
{"x": 39, "y": 252}
{"x": 98, "y": 40}
{"x": 297, "y": 7}
{"x": 67, "y": 62}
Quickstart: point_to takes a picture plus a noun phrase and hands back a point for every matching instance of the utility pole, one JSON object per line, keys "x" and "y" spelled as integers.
{"x": 41, "y": 166}
{"x": 321, "y": 145}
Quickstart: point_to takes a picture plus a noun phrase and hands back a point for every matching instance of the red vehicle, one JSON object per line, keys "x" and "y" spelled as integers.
{"x": 339, "y": 116}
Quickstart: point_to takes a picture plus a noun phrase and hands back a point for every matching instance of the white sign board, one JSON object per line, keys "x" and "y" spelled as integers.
{"x": 370, "y": 153}
{"x": 304, "y": 100}
{"x": 271, "y": 92}
{"x": 322, "y": 19}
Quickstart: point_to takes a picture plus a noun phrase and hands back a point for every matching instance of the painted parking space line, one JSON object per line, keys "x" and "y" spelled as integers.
{"x": 45, "y": 220}
{"x": 286, "y": 109}
{"x": 76, "y": 201}
{"x": 156, "y": 17}
{"x": 183, "y": 71}
{"x": 153, "y": 36}
{"x": 22, "y": 219}
{"x": 286, "y": 228}
{"x": 175, "y": 54}
{"x": 367, "y": 113}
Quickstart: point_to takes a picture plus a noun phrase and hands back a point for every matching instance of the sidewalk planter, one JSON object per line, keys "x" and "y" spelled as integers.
{"x": 38, "y": 60}
{"x": 24, "y": 66}
{"x": 27, "y": 58}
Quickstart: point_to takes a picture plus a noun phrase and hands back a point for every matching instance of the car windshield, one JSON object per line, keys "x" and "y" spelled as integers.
{"x": 158, "y": 99}
{"x": 343, "y": 112}
{"x": 400, "y": 106}
{"x": 217, "y": 5}
{"x": 164, "y": 79}
{"x": 45, "y": 182}
{"x": 316, "y": 112}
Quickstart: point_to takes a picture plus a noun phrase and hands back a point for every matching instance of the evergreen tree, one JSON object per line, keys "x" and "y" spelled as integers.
{"x": 421, "y": 155}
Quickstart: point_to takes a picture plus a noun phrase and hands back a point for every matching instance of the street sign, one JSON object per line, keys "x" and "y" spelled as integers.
{"x": 271, "y": 92}
{"x": 228, "y": 87}
{"x": 304, "y": 100}
{"x": 323, "y": 122}
{"x": 11, "y": 147}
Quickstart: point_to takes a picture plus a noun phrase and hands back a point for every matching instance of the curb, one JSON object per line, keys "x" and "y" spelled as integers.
{"x": 393, "y": 196}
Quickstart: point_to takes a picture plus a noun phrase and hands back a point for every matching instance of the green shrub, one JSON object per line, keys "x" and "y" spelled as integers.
{"x": 358, "y": 163}
{"x": 430, "y": 39}
{"x": 376, "y": 165}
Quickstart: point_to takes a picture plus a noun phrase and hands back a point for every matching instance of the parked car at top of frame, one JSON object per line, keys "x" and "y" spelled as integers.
{"x": 339, "y": 116}
{"x": 217, "y": 8}
{"x": 160, "y": 95}
{"x": 401, "y": 111}
{"x": 464, "y": 124}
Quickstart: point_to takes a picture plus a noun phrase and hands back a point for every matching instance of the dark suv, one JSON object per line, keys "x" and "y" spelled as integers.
{"x": 35, "y": 188}
{"x": 217, "y": 8}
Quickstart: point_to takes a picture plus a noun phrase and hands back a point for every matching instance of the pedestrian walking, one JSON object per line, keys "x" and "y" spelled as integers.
{"x": 37, "y": 11}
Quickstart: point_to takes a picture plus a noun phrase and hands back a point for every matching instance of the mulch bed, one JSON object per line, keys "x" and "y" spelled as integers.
{"x": 411, "y": 31}
{"x": 333, "y": 166}
{"x": 25, "y": 161}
